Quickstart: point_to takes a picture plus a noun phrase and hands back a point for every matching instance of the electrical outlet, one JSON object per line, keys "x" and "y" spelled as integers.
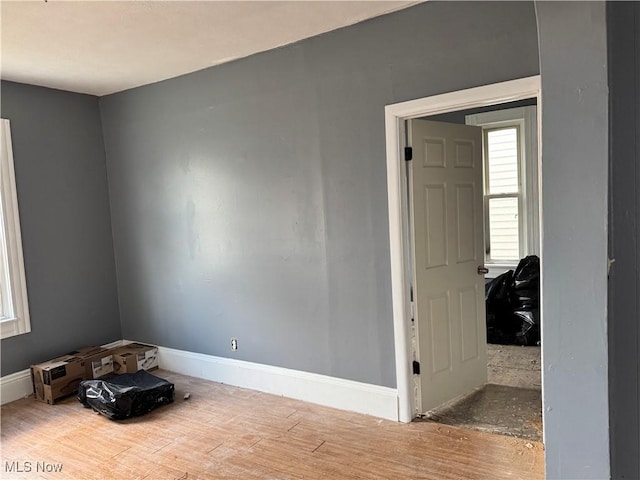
{"x": 234, "y": 344}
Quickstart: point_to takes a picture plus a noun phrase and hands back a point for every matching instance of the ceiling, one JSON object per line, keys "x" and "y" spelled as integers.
{"x": 102, "y": 47}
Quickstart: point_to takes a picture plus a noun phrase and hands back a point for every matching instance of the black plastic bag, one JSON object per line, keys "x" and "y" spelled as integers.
{"x": 126, "y": 395}
{"x": 501, "y": 327}
{"x": 513, "y": 305}
{"x": 529, "y": 329}
{"x": 525, "y": 298}
{"x": 498, "y": 294}
{"x": 527, "y": 275}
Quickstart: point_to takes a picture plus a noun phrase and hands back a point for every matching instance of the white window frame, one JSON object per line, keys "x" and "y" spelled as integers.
{"x": 525, "y": 119}
{"x": 14, "y": 319}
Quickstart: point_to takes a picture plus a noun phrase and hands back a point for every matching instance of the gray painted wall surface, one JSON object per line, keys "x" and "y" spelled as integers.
{"x": 623, "y": 27}
{"x": 249, "y": 199}
{"x": 573, "y": 65}
{"x": 65, "y": 222}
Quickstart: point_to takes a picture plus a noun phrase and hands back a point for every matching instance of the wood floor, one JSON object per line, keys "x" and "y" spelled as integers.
{"x": 227, "y": 432}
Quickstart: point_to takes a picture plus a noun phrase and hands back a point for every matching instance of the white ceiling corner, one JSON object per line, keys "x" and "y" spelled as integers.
{"x": 102, "y": 47}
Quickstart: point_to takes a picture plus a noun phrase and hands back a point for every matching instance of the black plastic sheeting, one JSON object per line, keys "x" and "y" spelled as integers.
{"x": 513, "y": 305}
{"x": 127, "y": 395}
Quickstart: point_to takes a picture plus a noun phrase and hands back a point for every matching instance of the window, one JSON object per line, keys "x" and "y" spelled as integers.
{"x": 510, "y": 186}
{"x": 14, "y": 308}
{"x": 502, "y": 195}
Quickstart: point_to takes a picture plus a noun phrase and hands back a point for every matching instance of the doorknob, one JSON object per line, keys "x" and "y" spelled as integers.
{"x": 482, "y": 270}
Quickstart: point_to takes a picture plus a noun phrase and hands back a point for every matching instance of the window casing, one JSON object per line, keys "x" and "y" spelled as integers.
{"x": 510, "y": 186}
{"x": 14, "y": 305}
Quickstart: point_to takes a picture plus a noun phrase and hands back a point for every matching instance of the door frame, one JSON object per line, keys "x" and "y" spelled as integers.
{"x": 397, "y": 192}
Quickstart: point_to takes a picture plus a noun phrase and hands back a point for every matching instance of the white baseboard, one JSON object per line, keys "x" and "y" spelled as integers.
{"x": 15, "y": 386}
{"x": 117, "y": 343}
{"x": 333, "y": 392}
{"x": 18, "y": 385}
{"x": 310, "y": 387}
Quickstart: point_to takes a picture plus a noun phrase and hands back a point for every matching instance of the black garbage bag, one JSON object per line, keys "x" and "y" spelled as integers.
{"x": 529, "y": 328}
{"x": 525, "y": 298}
{"x": 126, "y": 395}
{"x": 513, "y": 305}
{"x": 498, "y": 293}
{"x": 527, "y": 275}
{"x": 501, "y": 327}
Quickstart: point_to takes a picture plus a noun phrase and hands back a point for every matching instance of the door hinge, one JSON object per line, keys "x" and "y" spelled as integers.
{"x": 416, "y": 367}
{"x": 408, "y": 153}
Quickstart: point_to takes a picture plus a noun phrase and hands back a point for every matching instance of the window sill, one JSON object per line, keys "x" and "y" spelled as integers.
{"x": 10, "y": 327}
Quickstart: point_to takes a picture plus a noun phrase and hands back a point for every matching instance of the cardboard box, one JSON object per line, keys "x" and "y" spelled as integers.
{"x": 58, "y": 377}
{"x": 135, "y": 356}
{"x": 98, "y": 361}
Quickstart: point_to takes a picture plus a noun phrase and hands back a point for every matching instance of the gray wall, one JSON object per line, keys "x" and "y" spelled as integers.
{"x": 573, "y": 65}
{"x": 64, "y": 216}
{"x": 623, "y": 27}
{"x": 249, "y": 199}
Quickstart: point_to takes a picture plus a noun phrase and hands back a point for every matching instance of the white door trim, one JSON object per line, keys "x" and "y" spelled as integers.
{"x": 395, "y": 115}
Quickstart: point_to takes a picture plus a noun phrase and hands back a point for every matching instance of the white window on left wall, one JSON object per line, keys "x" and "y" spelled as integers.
{"x": 14, "y": 305}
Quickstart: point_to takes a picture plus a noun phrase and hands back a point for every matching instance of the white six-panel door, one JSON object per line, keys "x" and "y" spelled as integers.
{"x": 447, "y": 234}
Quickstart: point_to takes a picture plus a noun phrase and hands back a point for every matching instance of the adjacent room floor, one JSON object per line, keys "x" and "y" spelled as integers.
{"x": 510, "y": 403}
{"x": 228, "y": 432}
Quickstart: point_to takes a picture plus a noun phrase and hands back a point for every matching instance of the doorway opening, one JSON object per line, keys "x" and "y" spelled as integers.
{"x": 487, "y": 220}
{"x": 510, "y": 400}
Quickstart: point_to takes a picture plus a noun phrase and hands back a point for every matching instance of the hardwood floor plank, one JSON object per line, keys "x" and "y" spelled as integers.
{"x": 223, "y": 432}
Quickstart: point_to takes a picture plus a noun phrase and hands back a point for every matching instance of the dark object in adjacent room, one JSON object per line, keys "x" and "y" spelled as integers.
{"x": 126, "y": 395}
{"x": 513, "y": 305}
